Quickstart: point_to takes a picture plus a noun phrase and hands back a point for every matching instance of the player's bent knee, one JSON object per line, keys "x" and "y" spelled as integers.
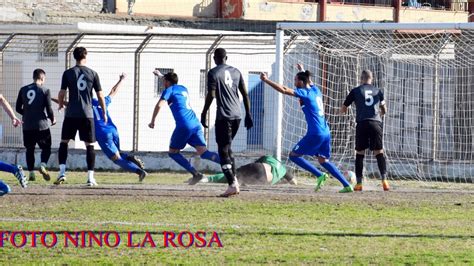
{"x": 322, "y": 160}
{"x": 377, "y": 152}
{"x": 360, "y": 152}
{"x": 200, "y": 150}
{"x": 115, "y": 157}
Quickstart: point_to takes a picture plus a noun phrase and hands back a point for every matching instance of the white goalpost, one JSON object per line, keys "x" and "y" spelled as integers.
{"x": 426, "y": 71}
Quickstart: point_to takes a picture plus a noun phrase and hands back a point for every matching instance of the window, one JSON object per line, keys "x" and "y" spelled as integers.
{"x": 202, "y": 84}
{"x": 48, "y": 49}
{"x": 159, "y": 83}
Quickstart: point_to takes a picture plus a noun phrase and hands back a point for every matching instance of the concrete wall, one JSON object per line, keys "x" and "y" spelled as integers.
{"x": 181, "y": 8}
{"x": 428, "y": 15}
{"x": 358, "y": 13}
{"x": 270, "y": 10}
{"x": 53, "y": 5}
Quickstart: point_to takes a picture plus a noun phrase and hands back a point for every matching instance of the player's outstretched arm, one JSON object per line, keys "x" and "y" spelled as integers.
{"x": 276, "y": 86}
{"x": 101, "y": 98}
{"x": 115, "y": 88}
{"x": 9, "y": 110}
{"x": 158, "y": 106}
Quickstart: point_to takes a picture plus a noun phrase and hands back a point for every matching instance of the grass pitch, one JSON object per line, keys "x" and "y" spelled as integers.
{"x": 275, "y": 225}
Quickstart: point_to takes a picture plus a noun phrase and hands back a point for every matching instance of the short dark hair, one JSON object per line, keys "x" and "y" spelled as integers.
{"x": 37, "y": 73}
{"x": 366, "y": 75}
{"x": 220, "y": 53}
{"x": 304, "y": 76}
{"x": 171, "y": 77}
{"x": 80, "y": 53}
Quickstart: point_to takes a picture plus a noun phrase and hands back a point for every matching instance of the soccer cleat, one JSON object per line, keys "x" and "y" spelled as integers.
{"x": 385, "y": 185}
{"x": 347, "y": 189}
{"x": 134, "y": 159}
{"x": 358, "y": 187}
{"x": 91, "y": 182}
{"x": 196, "y": 178}
{"x": 20, "y": 176}
{"x": 231, "y": 191}
{"x": 32, "y": 176}
{"x": 61, "y": 179}
{"x": 44, "y": 171}
{"x": 320, "y": 182}
{"x": 142, "y": 175}
{"x": 4, "y": 188}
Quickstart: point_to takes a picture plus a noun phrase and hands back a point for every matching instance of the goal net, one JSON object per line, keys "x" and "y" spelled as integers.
{"x": 426, "y": 72}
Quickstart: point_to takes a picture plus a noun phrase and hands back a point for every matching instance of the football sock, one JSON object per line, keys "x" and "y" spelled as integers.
{"x": 359, "y": 167}
{"x": 211, "y": 156}
{"x": 62, "y": 169}
{"x": 90, "y": 157}
{"x": 382, "y": 165}
{"x": 177, "y": 157}
{"x": 30, "y": 158}
{"x": 127, "y": 165}
{"x": 45, "y": 154}
{"x": 62, "y": 153}
{"x": 90, "y": 175}
{"x": 303, "y": 163}
{"x": 6, "y": 167}
{"x": 335, "y": 172}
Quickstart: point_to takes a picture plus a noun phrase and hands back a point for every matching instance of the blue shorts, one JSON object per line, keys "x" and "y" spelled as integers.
{"x": 314, "y": 145}
{"x": 4, "y": 188}
{"x": 183, "y": 136}
{"x": 110, "y": 143}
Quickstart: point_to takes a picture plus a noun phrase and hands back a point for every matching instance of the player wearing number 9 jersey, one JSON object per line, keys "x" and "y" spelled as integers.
{"x": 81, "y": 81}
{"x": 317, "y": 141}
{"x": 34, "y": 104}
{"x": 368, "y": 100}
{"x": 188, "y": 129}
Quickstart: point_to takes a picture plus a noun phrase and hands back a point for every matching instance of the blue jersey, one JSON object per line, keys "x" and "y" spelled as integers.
{"x": 178, "y": 101}
{"x": 101, "y": 129}
{"x": 312, "y": 104}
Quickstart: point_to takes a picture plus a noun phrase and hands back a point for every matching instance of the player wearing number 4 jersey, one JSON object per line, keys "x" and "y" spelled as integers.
{"x": 368, "y": 100}
{"x": 32, "y": 102}
{"x": 188, "y": 129}
{"x": 317, "y": 141}
{"x": 80, "y": 80}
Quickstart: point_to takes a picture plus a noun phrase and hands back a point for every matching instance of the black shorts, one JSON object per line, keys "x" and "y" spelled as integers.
{"x": 226, "y": 131}
{"x": 40, "y": 137}
{"x": 85, "y": 126}
{"x": 369, "y": 134}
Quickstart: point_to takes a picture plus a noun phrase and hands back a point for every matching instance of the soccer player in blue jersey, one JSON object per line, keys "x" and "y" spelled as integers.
{"x": 108, "y": 138}
{"x": 317, "y": 141}
{"x": 17, "y": 170}
{"x": 188, "y": 128}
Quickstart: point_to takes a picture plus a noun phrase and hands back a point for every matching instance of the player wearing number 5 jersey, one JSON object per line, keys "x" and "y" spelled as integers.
{"x": 188, "y": 129}
{"x": 368, "y": 100}
{"x": 80, "y": 80}
{"x": 34, "y": 104}
{"x": 317, "y": 141}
